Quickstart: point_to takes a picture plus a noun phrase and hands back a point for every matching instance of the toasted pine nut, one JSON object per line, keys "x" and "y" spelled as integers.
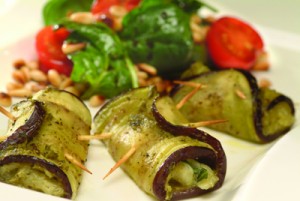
{"x": 20, "y": 92}
{"x": 195, "y": 27}
{"x": 96, "y": 101}
{"x": 142, "y": 82}
{"x": 197, "y": 37}
{"x": 147, "y": 68}
{"x": 26, "y": 73}
{"x": 19, "y": 63}
{"x": 264, "y": 83}
{"x": 38, "y": 76}
{"x": 32, "y": 65}
{"x": 34, "y": 86}
{"x": 262, "y": 62}
{"x": 117, "y": 11}
{"x": 72, "y": 90}
{"x": 14, "y": 85}
{"x": 210, "y": 19}
{"x": 117, "y": 24}
{"x": 142, "y": 75}
{"x": 54, "y": 78}
{"x": 5, "y": 99}
{"x": 82, "y": 17}
{"x": 196, "y": 19}
{"x": 155, "y": 79}
{"x": 65, "y": 83}
{"x": 160, "y": 86}
{"x": 80, "y": 87}
{"x": 261, "y": 66}
{"x": 68, "y": 48}
{"x": 19, "y": 76}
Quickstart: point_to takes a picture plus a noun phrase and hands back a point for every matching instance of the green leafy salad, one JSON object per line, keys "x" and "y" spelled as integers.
{"x": 154, "y": 32}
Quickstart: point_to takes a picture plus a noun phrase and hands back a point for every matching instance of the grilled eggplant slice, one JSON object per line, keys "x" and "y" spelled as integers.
{"x": 255, "y": 114}
{"x": 33, "y": 156}
{"x": 171, "y": 162}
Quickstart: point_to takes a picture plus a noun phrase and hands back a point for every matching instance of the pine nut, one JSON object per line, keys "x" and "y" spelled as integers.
{"x": 210, "y": 19}
{"x": 32, "y": 65}
{"x": 195, "y": 27}
{"x": 83, "y": 17}
{"x": 142, "y": 82}
{"x": 20, "y": 92}
{"x": 96, "y": 101}
{"x": 196, "y": 19}
{"x": 142, "y": 75}
{"x": 34, "y": 86}
{"x": 19, "y": 63}
{"x": 66, "y": 83}
{"x": 72, "y": 90}
{"x": 264, "y": 83}
{"x": 117, "y": 11}
{"x": 26, "y": 73}
{"x": 13, "y": 85}
{"x": 147, "y": 68}
{"x": 5, "y": 99}
{"x": 54, "y": 78}
{"x": 117, "y": 24}
{"x": 80, "y": 87}
{"x": 68, "y": 48}
{"x": 38, "y": 76}
{"x": 19, "y": 76}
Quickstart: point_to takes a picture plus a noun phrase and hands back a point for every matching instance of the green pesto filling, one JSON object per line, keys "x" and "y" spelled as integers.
{"x": 31, "y": 176}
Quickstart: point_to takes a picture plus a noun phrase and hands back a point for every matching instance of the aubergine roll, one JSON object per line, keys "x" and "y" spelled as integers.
{"x": 47, "y": 127}
{"x": 254, "y": 114}
{"x": 170, "y": 162}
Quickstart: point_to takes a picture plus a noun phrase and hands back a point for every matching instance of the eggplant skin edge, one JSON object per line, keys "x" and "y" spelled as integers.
{"x": 206, "y": 156}
{"x": 60, "y": 175}
{"x": 257, "y": 113}
{"x": 28, "y": 130}
{"x": 220, "y": 159}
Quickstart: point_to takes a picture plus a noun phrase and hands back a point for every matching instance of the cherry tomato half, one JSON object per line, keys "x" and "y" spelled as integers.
{"x": 232, "y": 43}
{"x": 48, "y": 45}
{"x": 103, "y": 6}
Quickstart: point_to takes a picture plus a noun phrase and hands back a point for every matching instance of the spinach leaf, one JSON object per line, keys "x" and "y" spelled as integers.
{"x": 188, "y": 6}
{"x": 56, "y": 10}
{"x": 103, "y": 64}
{"x": 159, "y": 34}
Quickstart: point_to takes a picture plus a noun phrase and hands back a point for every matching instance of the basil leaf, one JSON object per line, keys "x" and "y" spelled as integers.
{"x": 200, "y": 174}
{"x": 56, "y": 10}
{"x": 103, "y": 64}
{"x": 159, "y": 34}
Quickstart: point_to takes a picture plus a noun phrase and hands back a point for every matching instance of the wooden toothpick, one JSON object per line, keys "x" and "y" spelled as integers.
{"x": 205, "y": 123}
{"x": 187, "y": 97}
{"x": 126, "y": 156}
{"x": 75, "y": 161}
{"x": 187, "y": 83}
{"x": 7, "y": 113}
{"x": 102, "y": 136}
{"x": 240, "y": 94}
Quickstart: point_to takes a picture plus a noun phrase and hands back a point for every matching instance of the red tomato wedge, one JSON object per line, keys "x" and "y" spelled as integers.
{"x": 48, "y": 45}
{"x": 232, "y": 43}
{"x": 103, "y": 6}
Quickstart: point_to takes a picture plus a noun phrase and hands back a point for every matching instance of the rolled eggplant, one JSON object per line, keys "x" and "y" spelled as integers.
{"x": 33, "y": 155}
{"x": 255, "y": 114}
{"x": 170, "y": 162}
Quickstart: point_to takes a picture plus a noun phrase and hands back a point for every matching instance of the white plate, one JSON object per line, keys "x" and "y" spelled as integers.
{"x": 255, "y": 172}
